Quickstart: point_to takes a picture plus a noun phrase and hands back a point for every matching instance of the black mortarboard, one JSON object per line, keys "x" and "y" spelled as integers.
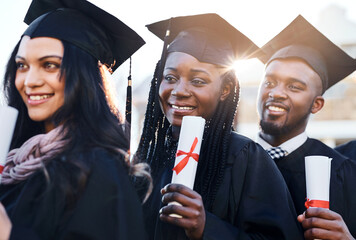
{"x": 207, "y": 37}
{"x": 301, "y": 40}
{"x": 85, "y": 25}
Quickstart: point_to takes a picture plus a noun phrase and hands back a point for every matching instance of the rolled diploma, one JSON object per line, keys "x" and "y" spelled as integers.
{"x": 192, "y": 127}
{"x": 317, "y": 174}
{"x": 8, "y": 117}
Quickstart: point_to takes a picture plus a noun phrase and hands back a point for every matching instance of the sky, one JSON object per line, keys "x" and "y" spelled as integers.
{"x": 259, "y": 20}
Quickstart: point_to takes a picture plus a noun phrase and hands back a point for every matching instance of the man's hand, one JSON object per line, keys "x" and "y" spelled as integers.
{"x": 320, "y": 223}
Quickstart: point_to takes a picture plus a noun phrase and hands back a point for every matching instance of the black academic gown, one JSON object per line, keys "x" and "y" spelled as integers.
{"x": 252, "y": 201}
{"x": 342, "y": 181}
{"x": 348, "y": 149}
{"x": 108, "y": 208}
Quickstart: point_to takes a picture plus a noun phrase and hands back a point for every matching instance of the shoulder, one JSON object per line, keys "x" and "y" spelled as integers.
{"x": 106, "y": 166}
{"x": 239, "y": 142}
{"x": 243, "y": 150}
{"x": 316, "y": 147}
{"x": 348, "y": 149}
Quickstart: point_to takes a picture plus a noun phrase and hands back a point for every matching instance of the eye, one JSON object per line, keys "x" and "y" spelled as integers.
{"x": 198, "y": 81}
{"x": 295, "y": 87}
{"x": 21, "y": 66}
{"x": 170, "y": 78}
{"x": 269, "y": 84}
{"x": 51, "y": 66}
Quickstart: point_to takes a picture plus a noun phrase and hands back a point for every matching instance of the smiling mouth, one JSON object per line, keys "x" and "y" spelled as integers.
{"x": 39, "y": 97}
{"x": 276, "y": 109}
{"x": 182, "y": 108}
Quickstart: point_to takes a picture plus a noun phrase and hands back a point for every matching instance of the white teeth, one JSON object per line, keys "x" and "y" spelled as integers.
{"x": 38, "y": 97}
{"x": 276, "y": 109}
{"x": 182, "y": 108}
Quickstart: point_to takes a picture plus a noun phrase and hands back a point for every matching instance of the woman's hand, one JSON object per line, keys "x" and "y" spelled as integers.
{"x": 5, "y": 224}
{"x": 192, "y": 210}
{"x": 320, "y": 223}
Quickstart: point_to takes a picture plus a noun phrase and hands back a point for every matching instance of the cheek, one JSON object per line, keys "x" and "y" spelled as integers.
{"x": 164, "y": 91}
{"x": 19, "y": 83}
{"x": 209, "y": 104}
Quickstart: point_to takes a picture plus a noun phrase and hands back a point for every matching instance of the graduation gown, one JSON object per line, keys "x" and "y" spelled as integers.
{"x": 252, "y": 201}
{"x": 342, "y": 180}
{"x": 108, "y": 207}
{"x": 348, "y": 149}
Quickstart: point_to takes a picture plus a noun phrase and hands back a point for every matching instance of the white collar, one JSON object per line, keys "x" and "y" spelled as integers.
{"x": 290, "y": 145}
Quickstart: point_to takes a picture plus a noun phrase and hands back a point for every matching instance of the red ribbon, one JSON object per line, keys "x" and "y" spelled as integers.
{"x": 179, "y": 167}
{"x": 1, "y": 169}
{"x": 316, "y": 203}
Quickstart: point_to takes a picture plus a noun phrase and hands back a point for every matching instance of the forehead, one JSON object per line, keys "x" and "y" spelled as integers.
{"x": 293, "y": 68}
{"x": 188, "y": 61}
{"x": 40, "y": 46}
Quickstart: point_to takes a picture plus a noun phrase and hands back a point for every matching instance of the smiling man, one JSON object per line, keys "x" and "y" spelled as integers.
{"x": 301, "y": 64}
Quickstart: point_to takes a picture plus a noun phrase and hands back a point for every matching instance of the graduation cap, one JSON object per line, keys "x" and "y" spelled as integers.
{"x": 207, "y": 37}
{"x": 86, "y": 26}
{"x": 303, "y": 41}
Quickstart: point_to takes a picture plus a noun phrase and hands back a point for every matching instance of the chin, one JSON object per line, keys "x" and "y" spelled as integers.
{"x": 273, "y": 129}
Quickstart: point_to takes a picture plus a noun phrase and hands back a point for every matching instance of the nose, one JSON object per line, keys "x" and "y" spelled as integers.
{"x": 277, "y": 93}
{"x": 181, "y": 89}
{"x": 33, "y": 78}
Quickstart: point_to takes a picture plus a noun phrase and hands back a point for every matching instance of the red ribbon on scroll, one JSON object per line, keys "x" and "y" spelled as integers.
{"x": 179, "y": 167}
{"x": 317, "y": 203}
{"x": 1, "y": 169}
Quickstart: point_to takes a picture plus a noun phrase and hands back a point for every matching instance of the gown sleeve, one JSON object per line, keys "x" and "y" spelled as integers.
{"x": 109, "y": 207}
{"x": 261, "y": 204}
{"x": 342, "y": 193}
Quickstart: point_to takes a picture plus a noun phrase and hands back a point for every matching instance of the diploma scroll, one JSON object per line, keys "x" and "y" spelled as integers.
{"x": 317, "y": 174}
{"x": 188, "y": 150}
{"x": 8, "y": 117}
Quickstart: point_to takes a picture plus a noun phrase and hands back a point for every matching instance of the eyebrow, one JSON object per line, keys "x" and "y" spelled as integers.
{"x": 191, "y": 70}
{"x": 289, "y": 79}
{"x": 42, "y": 58}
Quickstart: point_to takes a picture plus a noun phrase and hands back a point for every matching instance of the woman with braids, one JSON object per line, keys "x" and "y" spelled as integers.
{"x": 238, "y": 192}
{"x": 67, "y": 176}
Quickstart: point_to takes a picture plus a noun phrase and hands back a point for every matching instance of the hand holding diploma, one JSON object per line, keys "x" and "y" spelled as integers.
{"x": 185, "y": 206}
{"x": 318, "y": 221}
{"x": 190, "y": 138}
{"x": 8, "y": 117}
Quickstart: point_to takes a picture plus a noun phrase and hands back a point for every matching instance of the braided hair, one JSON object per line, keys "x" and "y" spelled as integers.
{"x": 214, "y": 149}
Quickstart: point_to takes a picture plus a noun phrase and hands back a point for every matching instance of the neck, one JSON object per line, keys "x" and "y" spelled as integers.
{"x": 277, "y": 140}
{"x": 48, "y": 126}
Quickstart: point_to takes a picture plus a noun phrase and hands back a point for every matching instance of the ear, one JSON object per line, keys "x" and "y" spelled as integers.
{"x": 225, "y": 91}
{"x": 317, "y": 104}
